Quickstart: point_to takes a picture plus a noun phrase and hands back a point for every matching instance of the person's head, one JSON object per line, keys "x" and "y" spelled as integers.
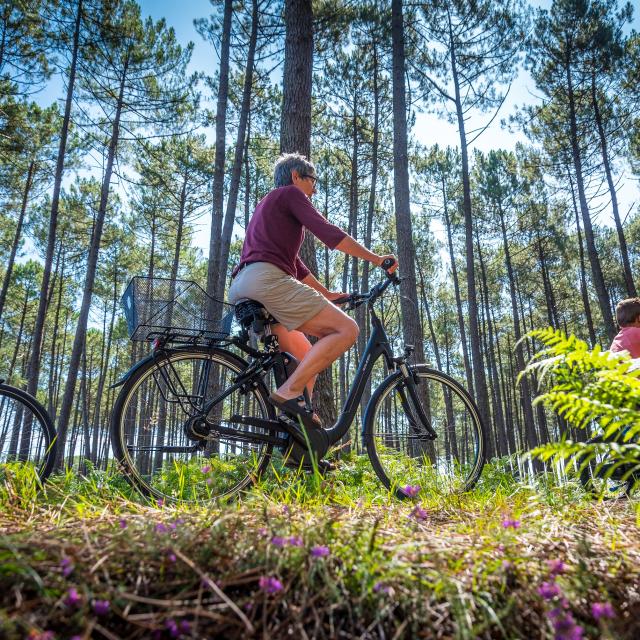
{"x": 628, "y": 312}
{"x": 294, "y": 168}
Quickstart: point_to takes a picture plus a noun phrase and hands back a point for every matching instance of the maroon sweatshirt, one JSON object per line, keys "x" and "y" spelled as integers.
{"x": 276, "y": 231}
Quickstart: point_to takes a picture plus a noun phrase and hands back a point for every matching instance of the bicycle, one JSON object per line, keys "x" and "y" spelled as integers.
{"x": 606, "y": 475}
{"x": 192, "y": 421}
{"x": 26, "y": 431}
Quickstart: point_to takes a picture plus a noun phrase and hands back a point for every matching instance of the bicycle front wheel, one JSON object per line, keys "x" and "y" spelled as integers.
{"x": 27, "y": 434}
{"x": 409, "y": 463}
{"x": 160, "y": 436}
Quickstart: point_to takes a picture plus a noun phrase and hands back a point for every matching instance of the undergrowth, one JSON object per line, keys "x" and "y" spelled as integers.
{"x": 304, "y": 556}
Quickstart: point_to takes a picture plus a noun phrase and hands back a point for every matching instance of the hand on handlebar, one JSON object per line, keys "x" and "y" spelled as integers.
{"x": 338, "y": 297}
{"x": 389, "y": 263}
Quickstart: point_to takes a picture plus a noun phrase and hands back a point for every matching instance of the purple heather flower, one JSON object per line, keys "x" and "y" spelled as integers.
{"x": 160, "y": 503}
{"x": 262, "y": 531}
{"x": 269, "y": 584}
{"x": 320, "y": 551}
{"x": 161, "y": 528}
{"x": 500, "y": 548}
{"x": 171, "y": 557}
{"x": 411, "y": 490}
{"x": 602, "y": 610}
{"x": 296, "y": 541}
{"x": 101, "y": 607}
{"x": 381, "y": 587}
{"x": 278, "y": 541}
{"x": 172, "y": 627}
{"x": 566, "y": 628}
{"x": 73, "y": 598}
{"x": 206, "y": 469}
{"x": 509, "y": 523}
{"x": 209, "y": 481}
{"x": 556, "y": 567}
{"x": 549, "y": 590}
{"x": 76, "y": 638}
{"x": 286, "y": 510}
{"x": 184, "y": 627}
{"x": 419, "y": 513}
{"x": 507, "y": 565}
{"x": 67, "y": 566}
{"x": 123, "y": 523}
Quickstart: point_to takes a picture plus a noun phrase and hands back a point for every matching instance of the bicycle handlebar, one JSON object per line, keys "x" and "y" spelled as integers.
{"x": 354, "y": 300}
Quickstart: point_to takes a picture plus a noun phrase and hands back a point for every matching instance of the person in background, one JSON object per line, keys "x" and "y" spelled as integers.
{"x": 628, "y": 317}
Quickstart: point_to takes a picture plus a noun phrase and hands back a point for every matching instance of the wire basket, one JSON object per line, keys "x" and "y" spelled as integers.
{"x": 174, "y": 310}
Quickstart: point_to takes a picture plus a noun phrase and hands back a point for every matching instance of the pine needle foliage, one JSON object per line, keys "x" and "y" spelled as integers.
{"x": 594, "y": 390}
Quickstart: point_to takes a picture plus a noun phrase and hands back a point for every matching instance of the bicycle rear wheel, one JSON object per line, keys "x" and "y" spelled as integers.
{"x": 405, "y": 460}
{"x": 159, "y": 435}
{"x": 26, "y": 431}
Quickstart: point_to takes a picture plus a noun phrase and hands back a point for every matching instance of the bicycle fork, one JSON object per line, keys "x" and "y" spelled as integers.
{"x": 412, "y": 405}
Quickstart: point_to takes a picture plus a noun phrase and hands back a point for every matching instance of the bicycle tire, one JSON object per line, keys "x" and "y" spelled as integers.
{"x": 41, "y": 450}
{"x": 196, "y": 476}
{"x": 407, "y": 463}
{"x": 597, "y": 481}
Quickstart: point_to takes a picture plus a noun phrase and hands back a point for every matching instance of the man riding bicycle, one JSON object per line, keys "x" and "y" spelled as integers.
{"x": 271, "y": 272}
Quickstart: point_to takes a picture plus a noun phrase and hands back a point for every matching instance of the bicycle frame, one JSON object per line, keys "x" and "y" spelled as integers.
{"x": 377, "y": 346}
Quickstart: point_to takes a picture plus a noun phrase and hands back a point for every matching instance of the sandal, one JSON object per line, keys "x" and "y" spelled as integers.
{"x": 294, "y": 408}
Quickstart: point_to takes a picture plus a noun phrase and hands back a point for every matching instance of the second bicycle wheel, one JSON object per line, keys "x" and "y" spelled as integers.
{"x": 27, "y": 434}
{"x": 406, "y": 461}
{"x": 160, "y": 437}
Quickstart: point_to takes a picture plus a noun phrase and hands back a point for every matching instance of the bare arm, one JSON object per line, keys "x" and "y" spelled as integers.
{"x": 354, "y": 248}
{"x": 312, "y": 282}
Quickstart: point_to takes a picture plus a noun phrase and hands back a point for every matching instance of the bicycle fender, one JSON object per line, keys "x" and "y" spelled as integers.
{"x": 131, "y": 371}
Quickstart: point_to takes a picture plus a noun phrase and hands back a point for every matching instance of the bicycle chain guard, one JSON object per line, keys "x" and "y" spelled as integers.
{"x": 318, "y": 439}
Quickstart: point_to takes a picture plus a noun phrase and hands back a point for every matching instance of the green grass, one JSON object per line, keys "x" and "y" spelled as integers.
{"x": 465, "y": 566}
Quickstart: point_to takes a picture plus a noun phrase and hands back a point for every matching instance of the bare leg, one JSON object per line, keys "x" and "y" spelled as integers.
{"x": 336, "y": 332}
{"x": 297, "y": 344}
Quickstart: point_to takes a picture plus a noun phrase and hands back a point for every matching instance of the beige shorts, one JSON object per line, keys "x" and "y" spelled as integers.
{"x": 288, "y": 300}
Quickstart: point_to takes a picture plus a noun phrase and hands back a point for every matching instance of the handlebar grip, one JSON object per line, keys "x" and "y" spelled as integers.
{"x": 342, "y": 300}
{"x": 387, "y": 263}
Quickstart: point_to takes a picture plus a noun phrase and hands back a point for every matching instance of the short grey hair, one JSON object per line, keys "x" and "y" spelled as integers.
{"x": 289, "y": 162}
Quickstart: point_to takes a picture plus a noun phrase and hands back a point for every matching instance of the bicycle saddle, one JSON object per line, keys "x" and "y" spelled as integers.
{"x": 251, "y": 313}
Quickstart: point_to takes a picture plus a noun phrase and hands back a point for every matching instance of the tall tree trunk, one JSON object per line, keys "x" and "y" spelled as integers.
{"x": 33, "y": 369}
{"x": 234, "y": 187}
{"x": 295, "y": 136}
{"x": 480, "y": 384}
{"x": 624, "y": 252}
{"x": 406, "y": 249}
{"x": 214, "y": 265}
{"x": 456, "y": 289}
{"x": 17, "y": 235}
{"x": 92, "y": 263}
{"x": 584, "y": 291}
{"x": 97, "y": 417}
{"x": 361, "y": 315}
{"x": 500, "y": 427}
{"x": 525, "y": 391}
{"x": 592, "y": 252}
